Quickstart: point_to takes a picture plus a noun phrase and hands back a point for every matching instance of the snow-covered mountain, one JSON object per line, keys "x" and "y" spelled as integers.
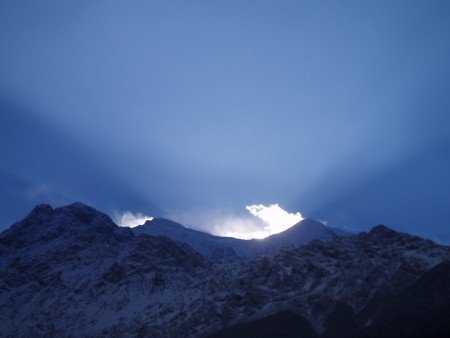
{"x": 70, "y": 272}
{"x": 227, "y": 249}
{"x": 214, "y": 248}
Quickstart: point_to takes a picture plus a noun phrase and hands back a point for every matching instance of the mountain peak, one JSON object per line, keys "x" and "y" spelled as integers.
{"x": 81, "y": 215}
{"x": 300, "y": 233}
{"x": 79, "y": 205}
{"x": 75, "y": 210}
{"x": 39, "y": 214}
{"x": 41, "y": 209}
{"x": 382, "y": 230}
{"x": 74, "y": 215}
{"x": 71, "y": 222}
{"x": 310, "y": 222}
{"x": 305, "y": 227}
{"x": 163, "y": 222}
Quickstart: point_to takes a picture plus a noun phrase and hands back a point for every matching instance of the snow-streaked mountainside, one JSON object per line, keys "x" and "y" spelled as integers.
{"x": 210, "y": 247}
{"x": 71, "y": 272}
{"x": 227, "y": 249}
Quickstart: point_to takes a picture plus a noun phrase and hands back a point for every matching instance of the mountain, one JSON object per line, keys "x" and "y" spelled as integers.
{"x": 284, "y": 324}
{"x": 71, "y": 271}
{"x": 214, "y": 248}
{"x": 421, "y": 310}
{"x": 303, "y": 232}
{"x": 227, "y": 249}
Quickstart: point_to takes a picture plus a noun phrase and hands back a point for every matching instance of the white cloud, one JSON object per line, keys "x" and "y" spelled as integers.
{"x": 274, "y": 217}
{"x": 130, "y": 219}
{"x": 260, "y": 222}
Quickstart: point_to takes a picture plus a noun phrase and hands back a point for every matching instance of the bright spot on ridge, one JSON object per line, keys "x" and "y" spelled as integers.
{"x": 276, "y": 219}
{"x": 130, "y": 219}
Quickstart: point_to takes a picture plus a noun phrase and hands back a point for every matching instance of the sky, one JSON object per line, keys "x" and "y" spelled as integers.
{"x": 195, "y": 110}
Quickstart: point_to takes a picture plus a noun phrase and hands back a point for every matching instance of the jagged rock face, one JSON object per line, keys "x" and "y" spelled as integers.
{"x": 77, "y": 222}
{"x": 72, "y": 272}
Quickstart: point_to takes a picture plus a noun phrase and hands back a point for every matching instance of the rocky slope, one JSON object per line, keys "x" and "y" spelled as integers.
{"x": 420, "y": 310}
{"x": 71, "y": 271}
{"x": 213, "y": 248}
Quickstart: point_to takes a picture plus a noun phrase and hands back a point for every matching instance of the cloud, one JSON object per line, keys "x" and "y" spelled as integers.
{"x": 274, "y": 216}
{"x": 130, "y": 219}
{"x": 260, "y": 221}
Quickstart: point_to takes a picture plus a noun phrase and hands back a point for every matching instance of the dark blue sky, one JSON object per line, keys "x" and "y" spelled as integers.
{"x": 339, "y": 110}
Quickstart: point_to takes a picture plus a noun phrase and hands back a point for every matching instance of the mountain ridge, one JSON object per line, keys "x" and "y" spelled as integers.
{"x": 223, "y": 249}
{"x": 81, "y": 275}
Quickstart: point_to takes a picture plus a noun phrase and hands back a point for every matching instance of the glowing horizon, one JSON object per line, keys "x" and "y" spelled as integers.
{"x": 266, "y": 221}
{"x": 270, "y": 220}
{"x": 276, "y": 218}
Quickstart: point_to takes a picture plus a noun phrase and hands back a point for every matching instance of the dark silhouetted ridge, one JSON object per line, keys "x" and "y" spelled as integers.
{"x": 284, "y": 324}
{"x": 40, "y": 211}
{"x": 421, "y": 310}
{"x": 382, "y": 230}
{"x": 163, "y": 222}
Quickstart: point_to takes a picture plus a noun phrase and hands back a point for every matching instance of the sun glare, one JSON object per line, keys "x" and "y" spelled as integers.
{"x": 275, "y": 218}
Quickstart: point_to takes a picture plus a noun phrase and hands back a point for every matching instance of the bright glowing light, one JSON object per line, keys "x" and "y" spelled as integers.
{"x": 131, "y": 220}
{"x": 238, "y": 227}
{"x": 260, "y": 221}
{"x": 274, "y": 217}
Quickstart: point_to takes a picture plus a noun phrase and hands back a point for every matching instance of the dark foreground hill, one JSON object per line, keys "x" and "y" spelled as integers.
{"x": 282, "y": 324}
{"x": 420, "y": 310}
{"x": 71, "y": 272}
